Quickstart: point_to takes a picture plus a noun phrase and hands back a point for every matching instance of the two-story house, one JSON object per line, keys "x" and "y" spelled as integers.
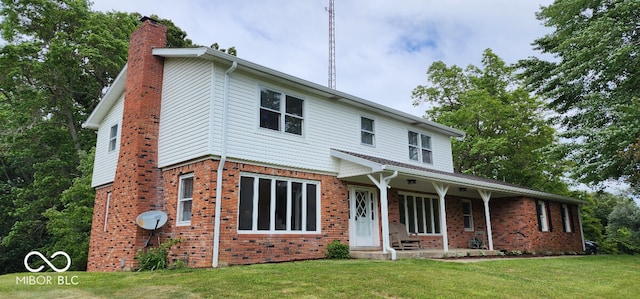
{"x": 252, "y": 165}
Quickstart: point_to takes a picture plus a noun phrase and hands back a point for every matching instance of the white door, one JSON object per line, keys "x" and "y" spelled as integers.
{"x": 364, "y": 219}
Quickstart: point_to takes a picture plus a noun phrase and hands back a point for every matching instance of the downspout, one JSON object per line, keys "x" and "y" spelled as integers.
{"x": 382, "y": 185}
{"x": 223, "y": 158}
{"x": 584, "y": 248}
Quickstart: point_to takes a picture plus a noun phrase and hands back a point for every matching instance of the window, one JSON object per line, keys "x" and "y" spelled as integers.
{"x": 185, "y": 199}
{"x": 542, "y": 209}
{"x": 420, "y": 147}
{"x": 419, "y": 214}
{"x": 113, "y": 137}
{"x": 366, "y": 131}
{"x": 280, "y": 112}
{"x": 278, "y": 205}
{"x": 467, "y": 215}
{"x": 566, "y": 218}
{"x": 106, "y": 211}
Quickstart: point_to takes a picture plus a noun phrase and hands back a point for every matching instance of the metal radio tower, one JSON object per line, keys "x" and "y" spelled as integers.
{"x": 332, "y": 46}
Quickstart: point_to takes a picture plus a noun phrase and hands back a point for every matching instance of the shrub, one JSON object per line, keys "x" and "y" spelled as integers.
{"x": 337, "y": 250}
{"x": 155, "y": 258}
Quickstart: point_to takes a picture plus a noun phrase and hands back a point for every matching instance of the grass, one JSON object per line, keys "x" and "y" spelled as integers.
{"x": 566, "y": 277}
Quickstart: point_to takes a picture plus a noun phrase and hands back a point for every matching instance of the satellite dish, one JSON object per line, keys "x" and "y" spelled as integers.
{"x": 151, "y": 220}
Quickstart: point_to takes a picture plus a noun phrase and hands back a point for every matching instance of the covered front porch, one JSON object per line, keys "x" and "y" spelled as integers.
{"x": 444, "y": 210}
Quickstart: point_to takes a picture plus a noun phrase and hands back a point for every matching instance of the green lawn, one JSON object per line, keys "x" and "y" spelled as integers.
{"x": 566, "y": 277}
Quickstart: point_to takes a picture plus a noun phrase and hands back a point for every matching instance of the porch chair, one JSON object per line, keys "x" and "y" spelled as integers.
{"x": 477, "y": 241}
{"x": 401, "y": 239}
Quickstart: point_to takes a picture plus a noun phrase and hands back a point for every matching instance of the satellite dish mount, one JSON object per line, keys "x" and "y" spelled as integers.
{"x": 151, "y": 220}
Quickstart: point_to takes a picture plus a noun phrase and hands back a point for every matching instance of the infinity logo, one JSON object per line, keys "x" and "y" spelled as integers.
{"x": 57, "y": 253}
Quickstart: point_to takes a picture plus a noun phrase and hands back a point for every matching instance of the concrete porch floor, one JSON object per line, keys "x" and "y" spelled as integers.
{"x": 377, "y": 254}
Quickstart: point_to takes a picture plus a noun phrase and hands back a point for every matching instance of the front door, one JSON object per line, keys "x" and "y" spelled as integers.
{"x": 364, "y": 218}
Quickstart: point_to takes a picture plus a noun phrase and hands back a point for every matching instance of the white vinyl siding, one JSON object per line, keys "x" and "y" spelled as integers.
{"x": 327, "y": 124}
{"x": 106, "y": 160}
{"x": 191, "y": 125}
{"x": 185, "y": 118}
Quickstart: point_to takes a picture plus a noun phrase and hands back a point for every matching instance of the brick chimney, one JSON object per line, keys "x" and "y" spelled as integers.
{"x": 137, "y": 186}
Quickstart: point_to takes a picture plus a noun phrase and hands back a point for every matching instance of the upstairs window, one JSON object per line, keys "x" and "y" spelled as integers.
{"x": 281, "y": 112}
{"x": 367, "y": 133}
{"x": 185, "y": 199}
{"x": 113, "y": 138}
{"x": 420, "y": 147}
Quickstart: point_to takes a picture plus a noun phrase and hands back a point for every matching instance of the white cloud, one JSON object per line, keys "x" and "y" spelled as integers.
{"x": 383, "y": 48}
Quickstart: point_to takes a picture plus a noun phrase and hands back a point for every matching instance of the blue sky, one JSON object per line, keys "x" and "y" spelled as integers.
{"x": 383, "y": 48}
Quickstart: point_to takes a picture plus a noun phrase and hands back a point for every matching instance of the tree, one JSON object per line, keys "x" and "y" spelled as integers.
{"x": 58, "y": 59}
{"x": 593, "y": 83}
{"x": 506, "y": 135}
{"x": 624, "y": 227}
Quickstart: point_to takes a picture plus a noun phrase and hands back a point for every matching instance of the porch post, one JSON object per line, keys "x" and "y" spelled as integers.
{"x": 442, "y": 191}
{"x": 383, "y": 185}
{"x": 486, "y": 195}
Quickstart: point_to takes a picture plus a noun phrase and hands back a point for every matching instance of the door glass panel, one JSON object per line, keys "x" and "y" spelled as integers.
{"x": 363, "y": 214}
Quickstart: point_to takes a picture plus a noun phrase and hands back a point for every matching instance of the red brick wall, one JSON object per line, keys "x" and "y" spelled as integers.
{"x": 137, "y": 186}
{"x": 515, "y": 227}
{"x": 196, "y": 246}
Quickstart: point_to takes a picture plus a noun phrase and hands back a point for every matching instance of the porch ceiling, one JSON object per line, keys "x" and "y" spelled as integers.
{"x": 459, "y": 184}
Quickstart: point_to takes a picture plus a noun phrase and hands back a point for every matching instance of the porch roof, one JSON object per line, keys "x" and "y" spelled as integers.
{"x": 365, "y": 164}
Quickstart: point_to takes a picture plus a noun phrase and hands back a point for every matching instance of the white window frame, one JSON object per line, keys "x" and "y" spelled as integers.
{"x": 470, "y": 216}
{"x": 542, "y": 216}
{"x": 364, "y": 131}
{"x": 183, "y": 200}
{"x": 420, "y": 147}
{"x": 106, "y": 211}
{"x": 566, "y": 218}
{"x": 434, "y": 213}
{"x": 272, "y": 208}
{"x": 282, "y": 112}
{"x": 113, "y": 138}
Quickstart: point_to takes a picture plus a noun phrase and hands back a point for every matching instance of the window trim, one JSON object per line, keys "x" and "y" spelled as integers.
{"x": 181, "y": 200}
{"x": 282, "y": 112}
{"x": 113, "y": 139}
{"x": 272, "y": 212}
{"x": 420, "y": 148}
{"x": 435, "y": 213}
{"x": 373, "y": 132}
{"x": 468, "y": 229}
{"x": 566, "y": 218}
{"x": 106, "y": 211}
{"x": 543, "y": 217}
